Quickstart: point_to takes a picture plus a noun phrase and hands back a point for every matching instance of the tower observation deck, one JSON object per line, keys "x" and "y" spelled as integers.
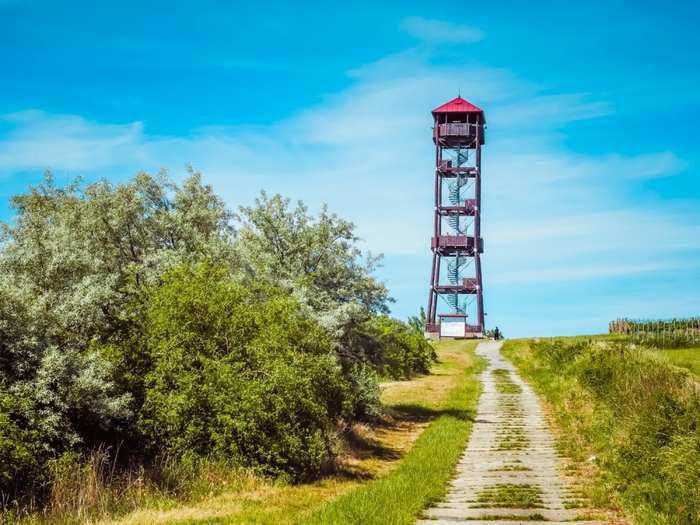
{"x": 455, "y": 284}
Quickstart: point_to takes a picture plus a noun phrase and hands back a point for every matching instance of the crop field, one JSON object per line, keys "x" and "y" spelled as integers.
{"x": 659, "y": 333}
{"x": 674, "y": 341}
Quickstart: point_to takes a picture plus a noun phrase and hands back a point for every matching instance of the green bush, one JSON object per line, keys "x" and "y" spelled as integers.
{"x": 112, "y": 337}
{"x": 69, "y": 404}
{"x": 239, "y": 373}
{"x": 21, "y": 453}
{"x": 401, "y": 350}
{"x": 366, "y": 394}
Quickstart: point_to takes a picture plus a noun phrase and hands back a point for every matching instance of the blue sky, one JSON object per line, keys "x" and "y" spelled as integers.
{"x": 592, "y": 200}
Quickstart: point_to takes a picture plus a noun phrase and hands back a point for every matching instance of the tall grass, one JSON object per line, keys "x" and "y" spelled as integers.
{"x": 688, "y": 358}
{"x": 86, "y": 489}
{"x": 635, "y": 416}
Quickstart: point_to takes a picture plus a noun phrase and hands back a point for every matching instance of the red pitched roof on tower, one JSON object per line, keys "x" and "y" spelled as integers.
{"x": 457, "y": 105}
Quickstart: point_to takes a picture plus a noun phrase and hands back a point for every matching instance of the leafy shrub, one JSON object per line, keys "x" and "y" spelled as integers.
{"x": 70, "y": 403}
{"x": 559, "y": 353}
{"x": 401, "y": 351}
{"x": 417, "y": 322}
{"x": 64, "y": 265}
{"x": 366, "y": 394}
{"x": 239, "y": 373}
{"x": 21, "y": 453}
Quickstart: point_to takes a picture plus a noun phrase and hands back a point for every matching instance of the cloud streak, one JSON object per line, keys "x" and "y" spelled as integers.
{"x": 440, "y": 31}
{"x": 39, "y": 140}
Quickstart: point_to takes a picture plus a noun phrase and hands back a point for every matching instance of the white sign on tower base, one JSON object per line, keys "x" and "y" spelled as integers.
{"x": 453, "y": 329}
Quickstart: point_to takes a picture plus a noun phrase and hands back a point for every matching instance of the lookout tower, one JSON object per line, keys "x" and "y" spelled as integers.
{"x": 455, "y": 282}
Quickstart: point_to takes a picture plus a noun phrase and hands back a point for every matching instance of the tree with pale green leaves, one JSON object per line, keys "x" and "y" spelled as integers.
{"x": 69, "y": 262}
{"x": 317, "y": 260}
{"x": 147, "y": 312}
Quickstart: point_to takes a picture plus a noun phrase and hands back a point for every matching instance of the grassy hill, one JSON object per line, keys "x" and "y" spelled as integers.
{"x": 628, "y": 417}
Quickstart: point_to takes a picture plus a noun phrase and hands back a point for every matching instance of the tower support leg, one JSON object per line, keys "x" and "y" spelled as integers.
{"x": 431, "y": 294}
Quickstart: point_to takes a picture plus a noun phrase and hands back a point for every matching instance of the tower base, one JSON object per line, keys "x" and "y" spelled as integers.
{"x": 452, "y": 330}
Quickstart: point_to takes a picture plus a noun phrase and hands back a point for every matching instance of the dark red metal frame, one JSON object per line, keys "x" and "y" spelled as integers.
{"x": 458, "y": 124}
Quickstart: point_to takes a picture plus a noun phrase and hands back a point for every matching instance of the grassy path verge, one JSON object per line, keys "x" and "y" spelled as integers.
{"x": 389, "y": 473}
{"x": 688, "y": 358}
{"x": 422, "y": 476}
{"x": 628, "y": 420}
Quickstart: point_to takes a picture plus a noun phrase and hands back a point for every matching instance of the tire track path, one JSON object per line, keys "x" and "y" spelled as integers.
{"x": 510, "y": 471}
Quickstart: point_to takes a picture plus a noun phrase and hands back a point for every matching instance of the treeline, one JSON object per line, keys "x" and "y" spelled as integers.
{"x": 146, "y": 317}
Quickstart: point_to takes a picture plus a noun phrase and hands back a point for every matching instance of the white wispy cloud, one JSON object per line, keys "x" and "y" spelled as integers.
{"x": 39, "y": 140}
{"x": 556, "y": 274}
{"x": 441, "y": 31}
{"x": 549, "y": 111}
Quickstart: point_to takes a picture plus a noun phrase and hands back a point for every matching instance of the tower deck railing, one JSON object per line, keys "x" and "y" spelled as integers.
{"x": 456, "y": 242}
{"x": 461, "y": 131}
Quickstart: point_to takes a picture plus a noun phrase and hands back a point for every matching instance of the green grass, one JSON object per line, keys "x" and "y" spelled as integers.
{"x": 514, "y": 466}
{"x": 628, "y": 420}
{"x": 517, "y": 518}
{"x": 504, "y": 383}
{"x": 512, "y": 438}
{"x": 423, "y": 475}
{"x": 509, "y": 495}
{"x": 685, "y": 357}
{"x": 688, "y": 358}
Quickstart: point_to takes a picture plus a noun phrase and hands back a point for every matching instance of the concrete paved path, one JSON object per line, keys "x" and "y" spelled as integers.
{"x": 510, "y": 471}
